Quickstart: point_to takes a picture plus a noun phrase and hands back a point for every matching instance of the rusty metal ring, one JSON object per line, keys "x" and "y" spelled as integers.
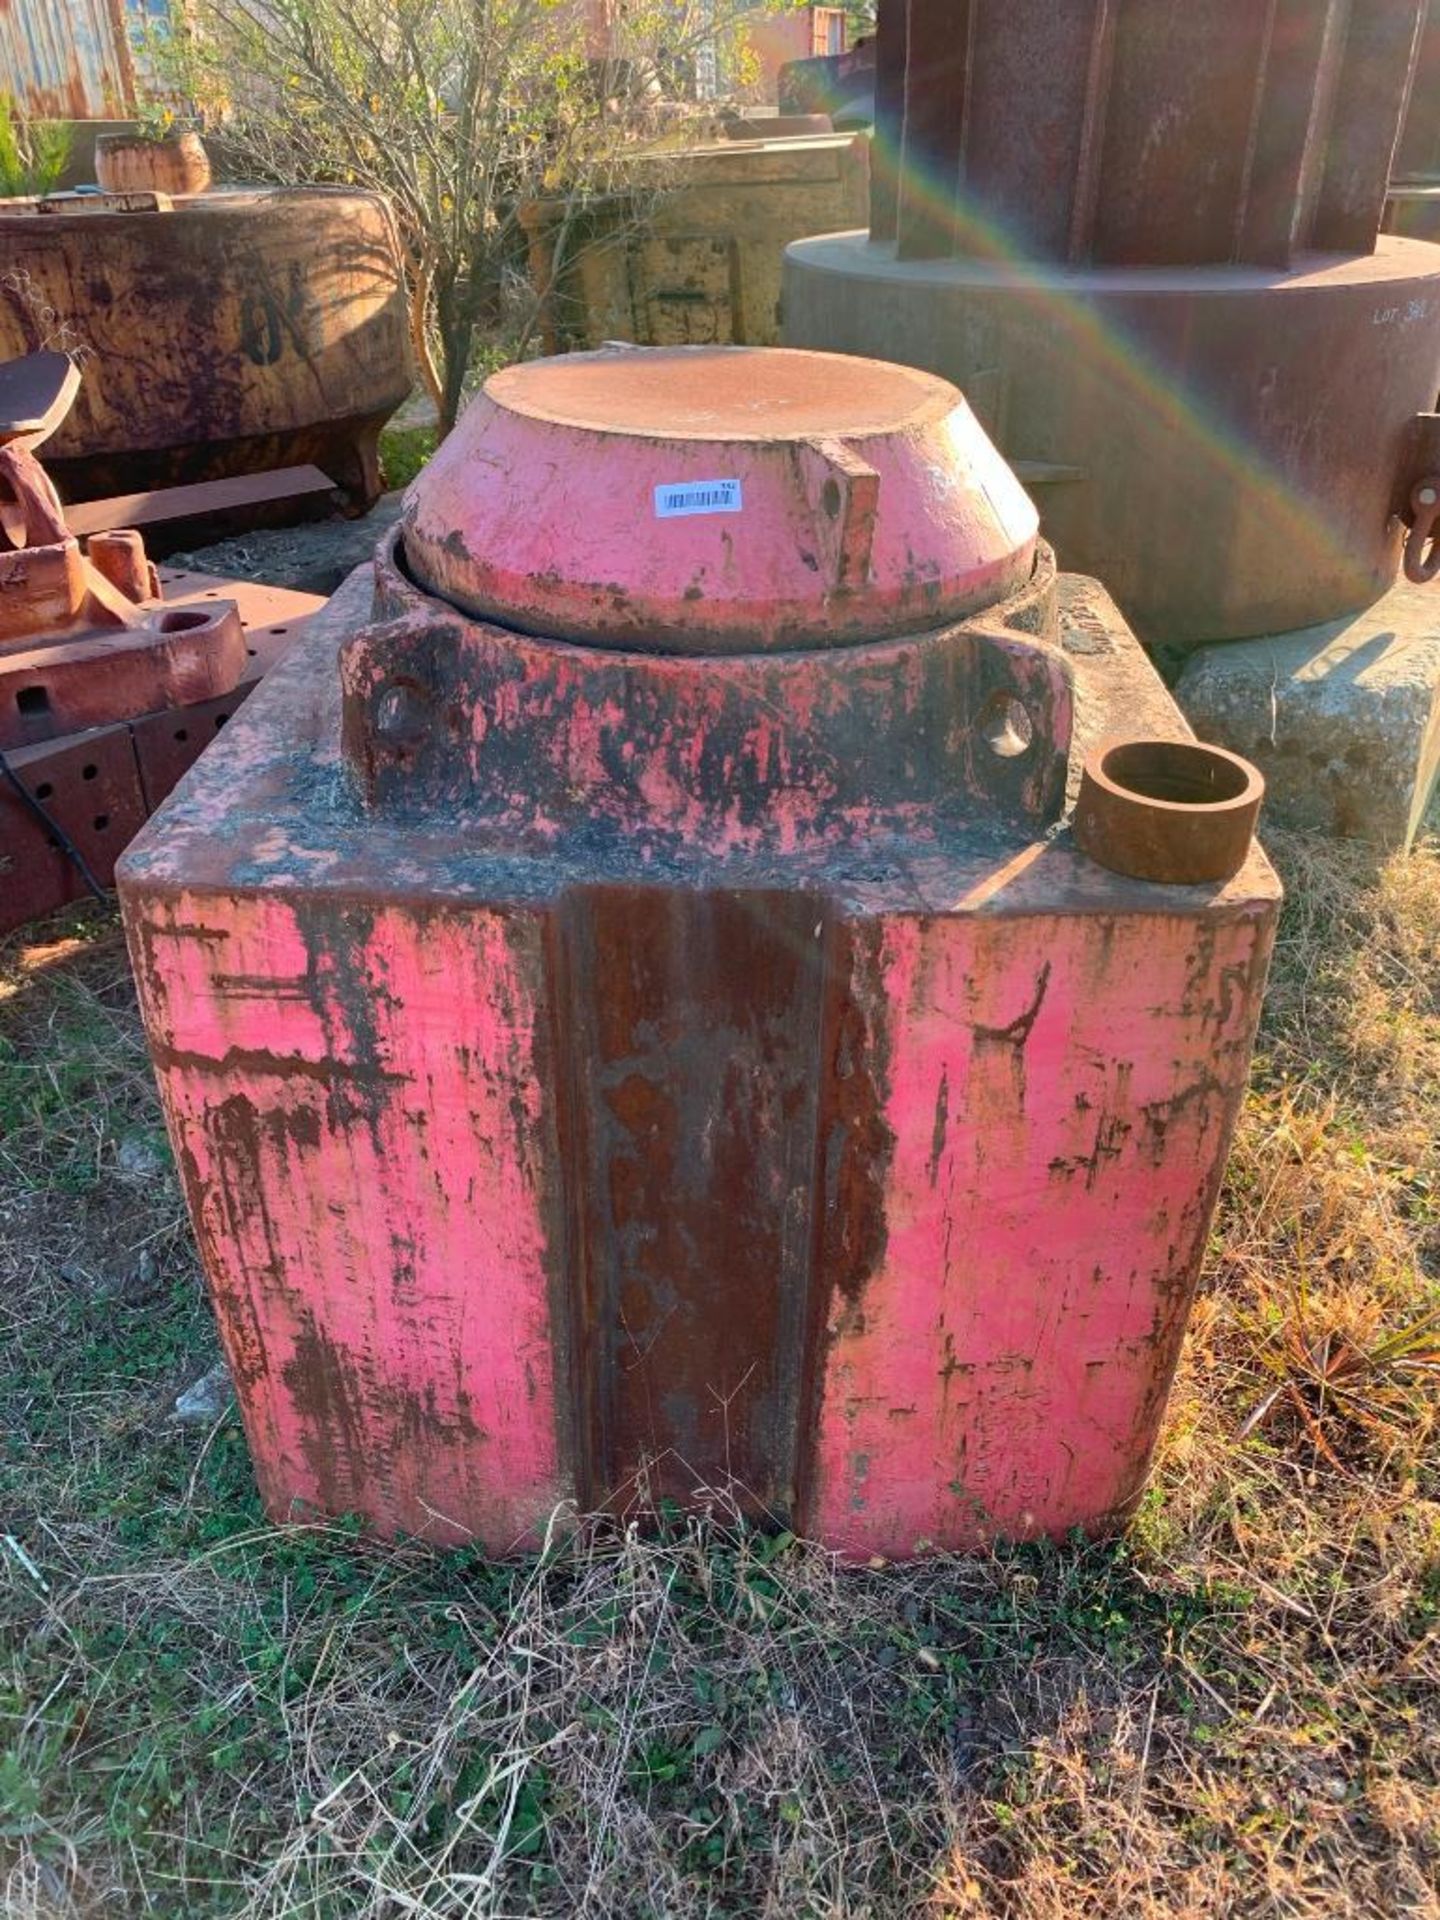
{"x": 1172, "y": 811}
{"x": 1421, "y": 566}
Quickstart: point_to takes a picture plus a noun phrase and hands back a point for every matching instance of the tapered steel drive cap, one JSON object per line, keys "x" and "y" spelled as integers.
{"x": 718, "y": 500}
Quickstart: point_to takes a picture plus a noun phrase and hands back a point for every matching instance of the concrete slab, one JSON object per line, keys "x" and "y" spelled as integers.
{"x": 1342, "y": 718}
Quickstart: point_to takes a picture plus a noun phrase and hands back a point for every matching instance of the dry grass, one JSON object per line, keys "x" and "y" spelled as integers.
{"x": 1237, "y": 1711}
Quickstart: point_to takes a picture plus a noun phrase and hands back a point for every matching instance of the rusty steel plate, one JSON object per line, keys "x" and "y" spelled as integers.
{"x": 100, "y": 785}
{"x": 201, "y": 500}
{"x": 90, "y": 785}
{"x": 168, "y": 744}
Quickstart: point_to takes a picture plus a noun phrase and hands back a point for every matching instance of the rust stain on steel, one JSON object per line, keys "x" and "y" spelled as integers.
{"x": 694, "y": 1023}
{"x": 274, "y": 329}
{"x": 855, "y": 1142}
{"x": 66, "y": 59}
{"x": 1184, "y": 132}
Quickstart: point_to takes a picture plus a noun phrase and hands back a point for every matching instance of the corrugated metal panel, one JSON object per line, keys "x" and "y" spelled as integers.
{"x": 65, "y": 59}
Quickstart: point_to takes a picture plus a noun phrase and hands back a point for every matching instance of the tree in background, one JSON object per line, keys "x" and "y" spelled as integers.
{"x": 33, "y": 153}
{"x": 458, "y": 111}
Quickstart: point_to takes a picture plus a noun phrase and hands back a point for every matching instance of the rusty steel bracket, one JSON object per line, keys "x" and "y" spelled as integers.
{"x": 844, "y": 493}
{"x": 108, "y": 691}
{"x": 1422, "y": 547}
{"x": 69, "y": 805}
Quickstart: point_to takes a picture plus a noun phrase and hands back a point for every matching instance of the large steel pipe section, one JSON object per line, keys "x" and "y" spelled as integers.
{"x": 1413, "y": 203}
{"x": 1143, "y": 239}
{"x": 694, "y": 1052}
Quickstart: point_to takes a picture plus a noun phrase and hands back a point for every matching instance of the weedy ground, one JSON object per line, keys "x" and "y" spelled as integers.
{"x": 404, "y": 451}
{"x": 1235, "y": 1711}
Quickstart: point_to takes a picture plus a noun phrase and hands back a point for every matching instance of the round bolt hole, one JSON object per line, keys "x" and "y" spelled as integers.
{"x": 183, "y": 619}
{"x": 89, "y": 772}
{"x": 401, "y": 714}
{"x": 1006, "y": 727}
{"x": 44, "y": 790}
{"x": 182, "y": 733}
{"x": 102, "y": 821}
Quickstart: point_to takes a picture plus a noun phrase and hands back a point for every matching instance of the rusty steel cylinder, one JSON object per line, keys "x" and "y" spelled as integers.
{"x": 1144, "y": 240}
{"x": 632, "y": 1015}
{"x": 221, "y": 333}
{"x": 1413, "y": 203}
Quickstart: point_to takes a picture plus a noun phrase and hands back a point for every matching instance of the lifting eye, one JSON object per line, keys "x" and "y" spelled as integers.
{"x": 1006, "y": 727}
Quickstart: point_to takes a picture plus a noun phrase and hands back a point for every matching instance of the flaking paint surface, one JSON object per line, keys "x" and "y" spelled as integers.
{"x": 354, "y": 1103}
{"x": 1055, "y": 1116}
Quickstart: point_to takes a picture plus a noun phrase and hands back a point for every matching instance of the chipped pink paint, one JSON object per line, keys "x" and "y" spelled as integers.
{"x": 1060, "y": 1093}
{"x": 870, "y": 501}
{"x": 384, "y": 1276}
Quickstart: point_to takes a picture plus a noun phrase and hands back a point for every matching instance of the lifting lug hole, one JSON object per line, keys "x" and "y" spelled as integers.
{"x": 401, "y": 714}
{"x": 1006, "y": 726}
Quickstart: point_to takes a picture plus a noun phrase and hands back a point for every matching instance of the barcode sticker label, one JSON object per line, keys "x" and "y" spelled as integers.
{"x": 697, "y": 496}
